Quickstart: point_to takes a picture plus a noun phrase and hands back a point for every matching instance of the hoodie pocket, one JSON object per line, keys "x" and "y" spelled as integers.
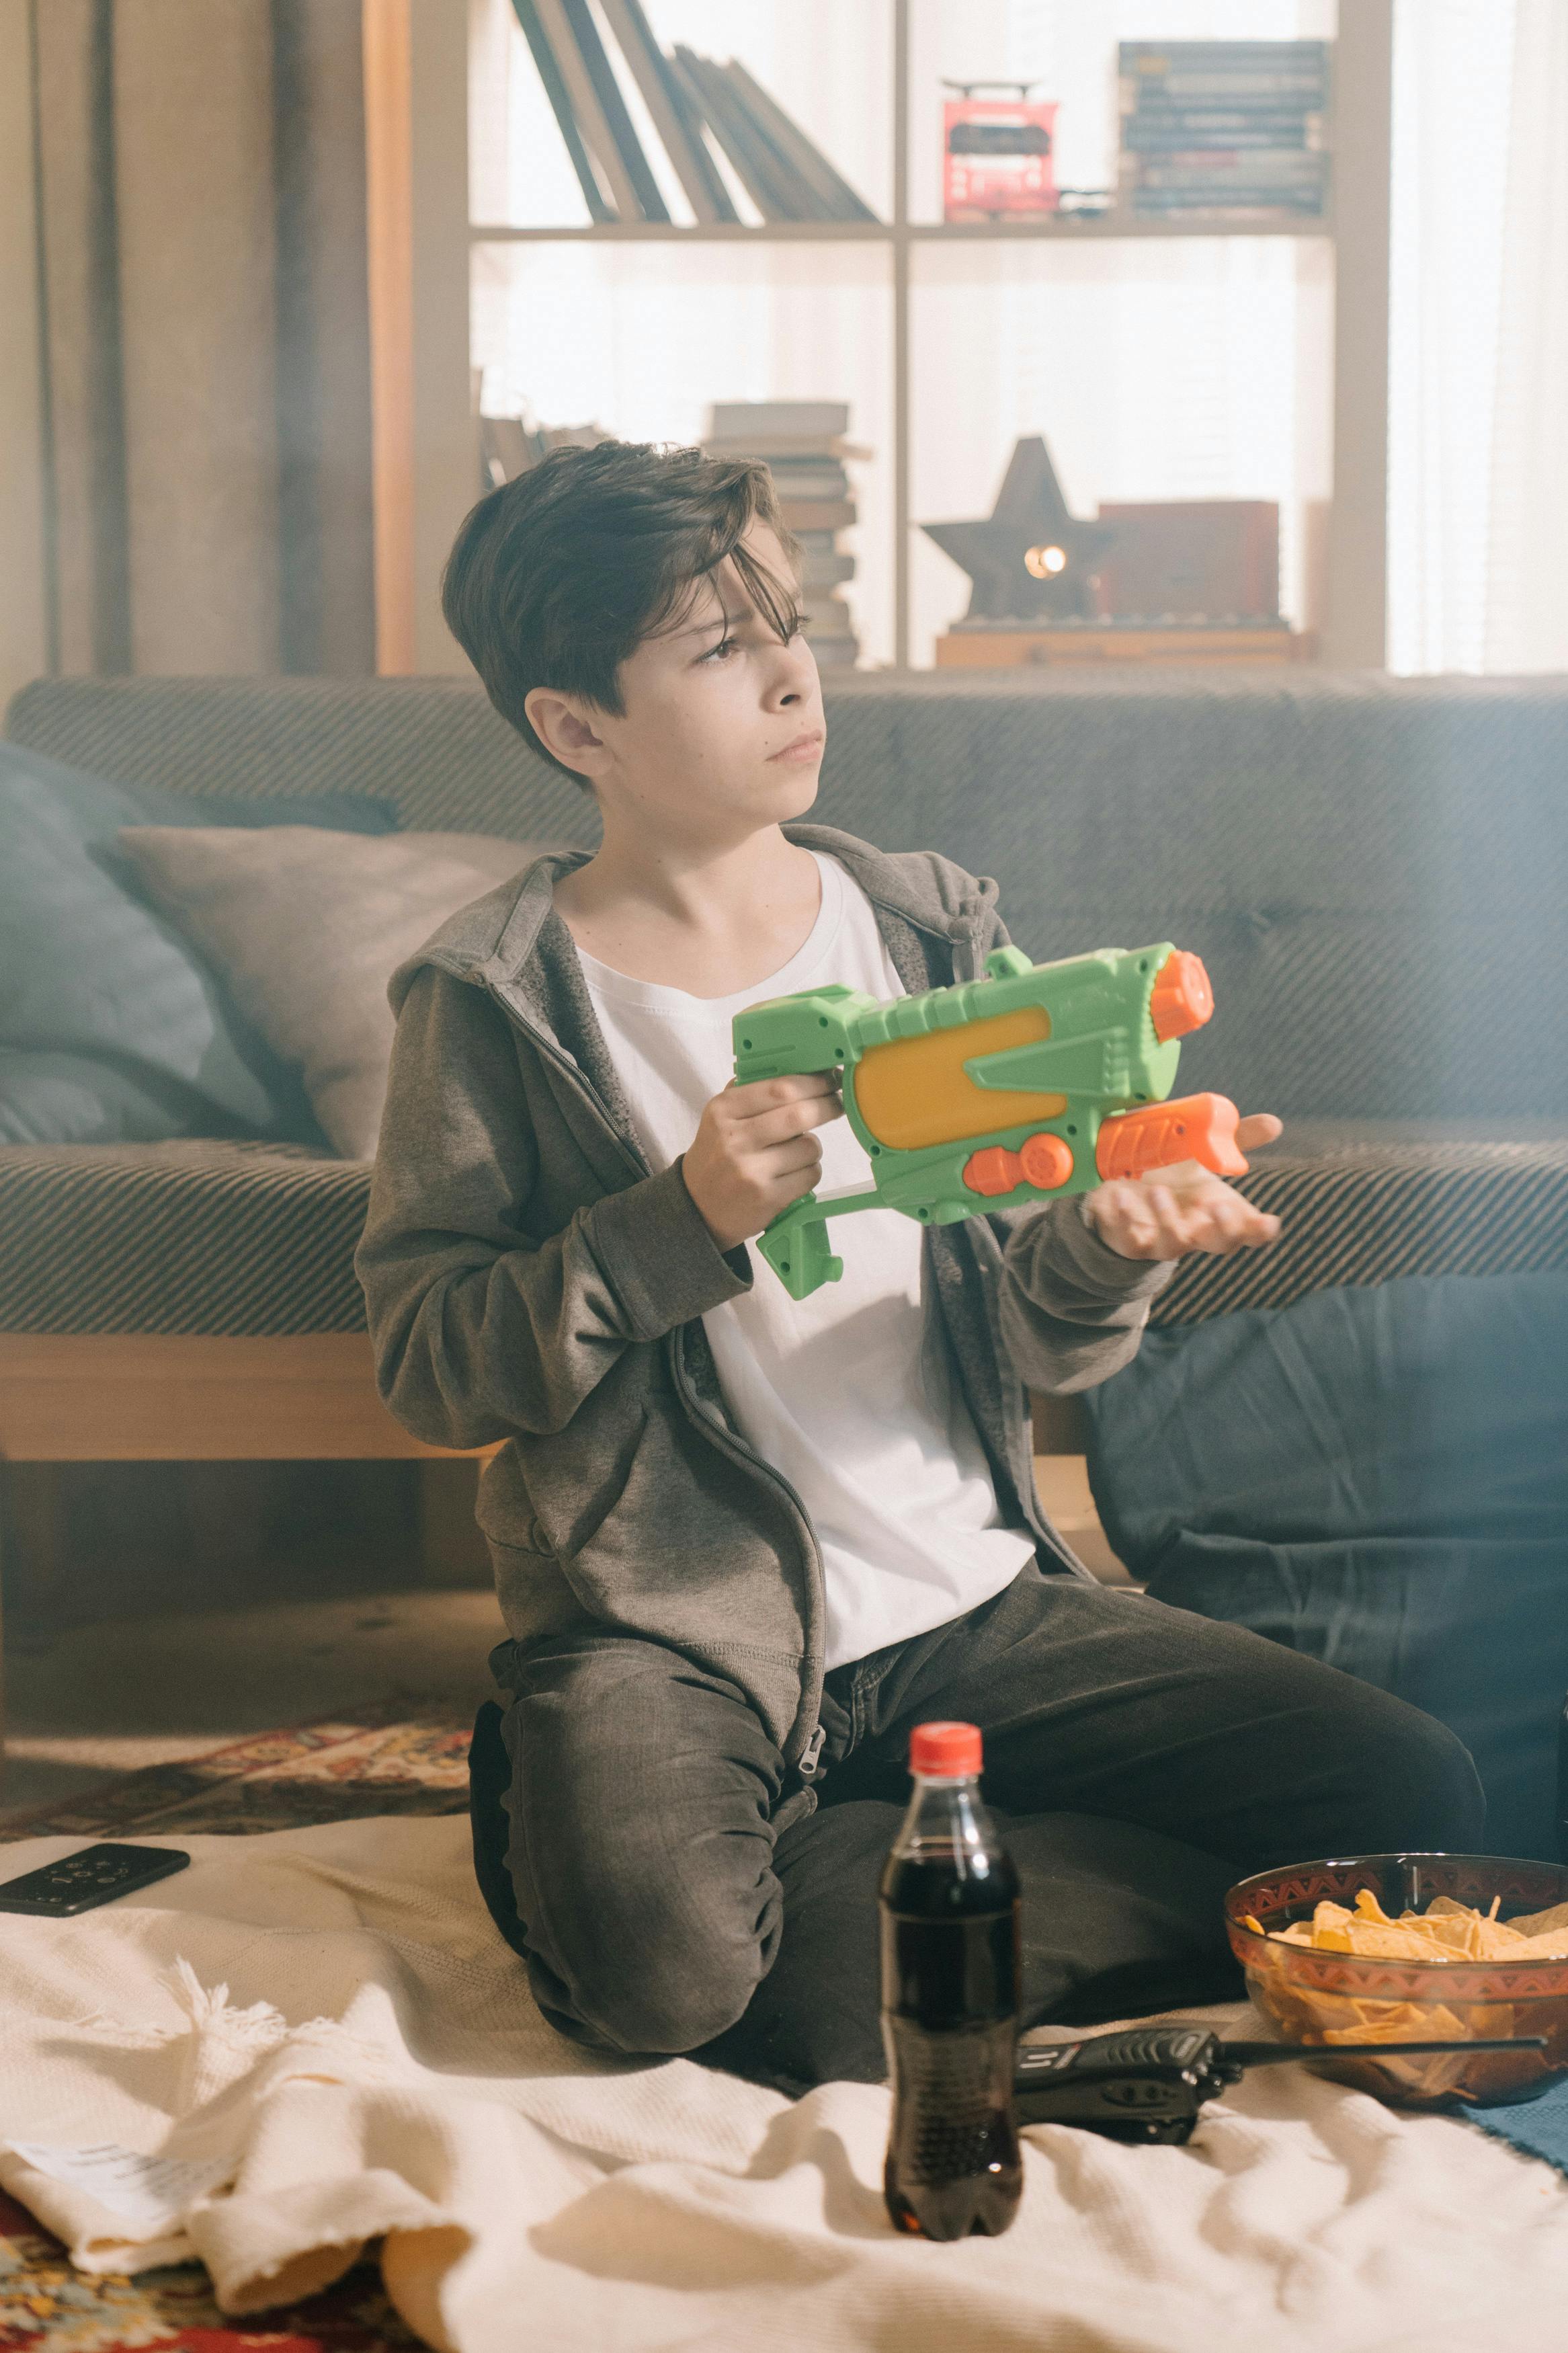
{"x": 535, "y": 1596}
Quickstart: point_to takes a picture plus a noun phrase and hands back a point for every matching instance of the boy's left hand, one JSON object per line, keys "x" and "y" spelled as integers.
{"x": 1169, "y": 1212}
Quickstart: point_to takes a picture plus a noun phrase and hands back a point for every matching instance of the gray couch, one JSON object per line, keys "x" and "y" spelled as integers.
{"x": 1374, "y": 872}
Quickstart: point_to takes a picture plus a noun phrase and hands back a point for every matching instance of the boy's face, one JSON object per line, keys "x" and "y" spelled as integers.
{"x": 721, "y": 731}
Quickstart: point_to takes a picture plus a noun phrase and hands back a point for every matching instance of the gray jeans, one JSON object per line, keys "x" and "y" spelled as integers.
{"x": 638, "y": 1844}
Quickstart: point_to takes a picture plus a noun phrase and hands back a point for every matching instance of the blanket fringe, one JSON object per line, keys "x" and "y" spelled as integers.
{"x": 223, "y": 2042}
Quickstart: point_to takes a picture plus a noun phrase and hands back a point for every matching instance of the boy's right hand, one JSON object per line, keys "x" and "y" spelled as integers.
{"x": 754, "y": 1152}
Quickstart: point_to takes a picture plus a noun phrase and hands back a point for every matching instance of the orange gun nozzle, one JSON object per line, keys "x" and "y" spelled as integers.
{"x": 1182, "y": 999}
{"x": 1196, "y": 1127}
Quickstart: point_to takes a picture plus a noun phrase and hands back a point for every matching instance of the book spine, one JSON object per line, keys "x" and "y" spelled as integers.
{"x": 1225, "y": 167}
{"x": 756, "y": 168}
{"x": 1293, "y": 134}
{"x": 596, "y": 132}
{"x": 1229, "y": 183}
{"x": 677, "y": 126}
{"x": 793, "y": 493}
{"x": 1226, "y": 57}
{"x": 555, "y": 90}
{"x": 613, "y": 106}
{"x": 1244, "y": 115}
{"x": 818, "y": 514}
{"x": 806, "y": 157}
{"x": 1268, "y": 201}
{"x": 805, "y": 481}
{"x": 788, "y": 447}
{"x": 805, "y": 190}
{"x": 507, "y": 448}
{"x": 752, "y": 421}
{"x": 1204, "y": 173}
{"x": 1226, "y": 90}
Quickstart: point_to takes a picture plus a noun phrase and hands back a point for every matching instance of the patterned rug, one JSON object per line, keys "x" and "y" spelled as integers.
{"x": 47, "y": 2307}
{"x": 400, "y": 1756}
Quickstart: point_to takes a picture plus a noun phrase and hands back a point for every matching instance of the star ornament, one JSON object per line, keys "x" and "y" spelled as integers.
{"x": 1029, "y": 559}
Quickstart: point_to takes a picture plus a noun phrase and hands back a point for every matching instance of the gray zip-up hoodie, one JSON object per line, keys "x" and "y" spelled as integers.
{"x": 529, "y": 1281}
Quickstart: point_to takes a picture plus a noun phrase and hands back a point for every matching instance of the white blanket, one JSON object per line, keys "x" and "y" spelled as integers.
{"x": 349, "y": 2052}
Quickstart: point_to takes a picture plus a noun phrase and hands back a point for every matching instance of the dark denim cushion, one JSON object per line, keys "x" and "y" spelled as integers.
{"x": 1379, "y": 1478}
{"x": 113, "y": 1029}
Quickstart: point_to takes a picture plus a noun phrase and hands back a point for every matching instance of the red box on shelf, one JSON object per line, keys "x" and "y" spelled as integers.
{"x": 997, "y": 155}
{"x": 1191, "y": 559}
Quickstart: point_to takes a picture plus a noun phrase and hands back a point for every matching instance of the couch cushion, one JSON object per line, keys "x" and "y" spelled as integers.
{"x": 114, "y": 1028}
{"x": 308, "y": 926}
{"x": 245, "y": 1239}
{"x": 188, "y": 1236}
{"x": 1379, "y": 1478}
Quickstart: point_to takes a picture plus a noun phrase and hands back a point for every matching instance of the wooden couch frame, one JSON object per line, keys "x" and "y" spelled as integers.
{"x": 160, "y": 1398}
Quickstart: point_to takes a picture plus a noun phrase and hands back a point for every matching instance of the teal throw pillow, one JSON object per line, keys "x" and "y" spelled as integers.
{"x": 112, "y": 1028}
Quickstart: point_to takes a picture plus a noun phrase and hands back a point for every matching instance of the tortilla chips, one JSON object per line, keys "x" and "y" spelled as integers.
{"x": 1446, "y": 1931}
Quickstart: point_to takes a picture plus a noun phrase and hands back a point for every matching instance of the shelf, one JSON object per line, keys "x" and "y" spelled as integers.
{"x": 1055, "y": 348}
{"x": 677, "y": 233}
{"x": 1038, "y": 232}
{"x": 1069, "y": 231}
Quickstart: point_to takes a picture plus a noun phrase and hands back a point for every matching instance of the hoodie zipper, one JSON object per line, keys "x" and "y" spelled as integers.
{"x": 988, "y": 1257}
{"x": 710, "y": 1421}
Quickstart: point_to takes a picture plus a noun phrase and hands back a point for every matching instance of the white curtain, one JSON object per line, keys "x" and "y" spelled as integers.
{"x": 1477, "y": 563}
{"x": 1527, "y": 615}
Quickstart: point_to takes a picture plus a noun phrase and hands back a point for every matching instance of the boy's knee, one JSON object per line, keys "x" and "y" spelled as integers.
{"x": 1418, "y": 1789}
{"x": 652, "y": 1959}
{"x": 1431, "y": 1790}
{"x": 667, "y": 2002}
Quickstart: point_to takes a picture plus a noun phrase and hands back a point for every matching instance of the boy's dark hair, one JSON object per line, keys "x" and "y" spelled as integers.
{"x": 556, "y": 578}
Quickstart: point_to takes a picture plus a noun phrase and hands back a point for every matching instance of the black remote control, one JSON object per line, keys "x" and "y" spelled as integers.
{"x": 93, "y": 1875}
{"x": 1150, "y": 2083}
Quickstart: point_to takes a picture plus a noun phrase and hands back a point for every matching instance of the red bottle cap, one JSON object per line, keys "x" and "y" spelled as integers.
{"x": 945, "y": 1750}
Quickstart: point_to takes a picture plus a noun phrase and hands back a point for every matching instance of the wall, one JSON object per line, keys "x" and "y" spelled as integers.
{"x": 24, "y": 649}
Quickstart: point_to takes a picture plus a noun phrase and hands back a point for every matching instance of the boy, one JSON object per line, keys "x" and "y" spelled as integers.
{"x": 744, "y": 1544}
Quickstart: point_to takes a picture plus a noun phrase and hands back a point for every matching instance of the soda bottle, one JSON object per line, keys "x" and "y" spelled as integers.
{"x": 949, "y": 1999}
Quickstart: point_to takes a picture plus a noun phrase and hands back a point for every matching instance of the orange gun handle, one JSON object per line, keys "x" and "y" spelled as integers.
{"x": 1195, "y": 1127}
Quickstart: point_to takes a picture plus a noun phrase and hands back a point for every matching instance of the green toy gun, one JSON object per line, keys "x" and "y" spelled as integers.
{"x": 1040, "y": 1080}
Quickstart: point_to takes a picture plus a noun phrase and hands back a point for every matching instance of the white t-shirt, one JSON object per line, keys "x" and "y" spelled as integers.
{"x": 846, "y": 1393}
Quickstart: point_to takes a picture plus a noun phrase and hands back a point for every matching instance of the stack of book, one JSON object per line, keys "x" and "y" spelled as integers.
{"x": 691, "y": 101}
{"x": 1228, "y": 129}
{"x": 803, "y": 445}
{"x": 510, "y": 446}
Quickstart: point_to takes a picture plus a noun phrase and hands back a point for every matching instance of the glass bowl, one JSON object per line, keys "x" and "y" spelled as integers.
{"x": 1313, "y": 1995}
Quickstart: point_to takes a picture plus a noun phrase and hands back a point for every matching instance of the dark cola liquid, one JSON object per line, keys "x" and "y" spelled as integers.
{"x": 949, "y": 2022}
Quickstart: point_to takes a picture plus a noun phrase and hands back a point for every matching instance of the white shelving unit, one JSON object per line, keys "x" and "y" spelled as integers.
{"x": 1351, "y": 625}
